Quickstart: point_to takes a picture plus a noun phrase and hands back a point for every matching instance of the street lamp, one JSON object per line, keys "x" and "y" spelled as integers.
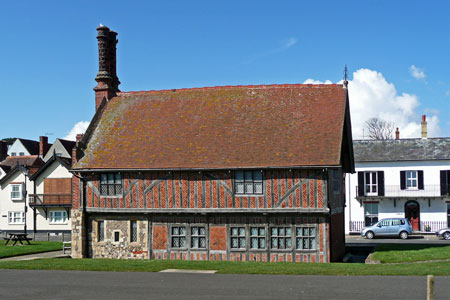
{"x": 25, "y": 171}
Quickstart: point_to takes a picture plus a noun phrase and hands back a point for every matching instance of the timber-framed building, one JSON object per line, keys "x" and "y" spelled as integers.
{"x": 244, "y": 173}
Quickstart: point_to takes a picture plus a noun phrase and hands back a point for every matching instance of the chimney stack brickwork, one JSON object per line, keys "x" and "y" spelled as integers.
{"x": 397, "y": 134}
{"x": 43, "y": 146}
{"x": 107, "y": 80}
{"x": 424, "y": 127}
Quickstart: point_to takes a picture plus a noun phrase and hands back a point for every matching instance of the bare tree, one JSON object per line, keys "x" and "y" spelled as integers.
{"x": 379, "y": 129}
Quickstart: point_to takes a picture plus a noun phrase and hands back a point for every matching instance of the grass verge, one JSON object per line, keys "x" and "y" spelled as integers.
{"x": 400, "y": 253}
{"x": 35, "y": 247}
{"x": 438, "y": 269}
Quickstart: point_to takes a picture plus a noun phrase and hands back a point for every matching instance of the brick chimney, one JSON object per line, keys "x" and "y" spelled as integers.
{"x": 3, "y": 150}
{"x": 424, "y": 127}
{"x": 397, "y": 134}
{"x": 76, "y": 151}
{"x": 107, "y": 81}
{"x": 43, "y": 146}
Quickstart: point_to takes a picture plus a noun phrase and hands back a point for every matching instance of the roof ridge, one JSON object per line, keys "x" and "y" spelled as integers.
{"x": 260, "y": 86}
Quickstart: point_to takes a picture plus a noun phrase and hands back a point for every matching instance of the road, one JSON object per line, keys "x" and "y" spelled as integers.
{"x": 27, "y": 284}
{"x": 414, "y": 239}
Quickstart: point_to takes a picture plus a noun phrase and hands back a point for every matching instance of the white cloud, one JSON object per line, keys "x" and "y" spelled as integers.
{"x": 416, "y": 72}
{"x": 78, "y": 128}
{"x": 288, "y": 43}
{"x": 371, "y": 96}
{"x": 285, "y": 44}
{"x": 312, "y": 81}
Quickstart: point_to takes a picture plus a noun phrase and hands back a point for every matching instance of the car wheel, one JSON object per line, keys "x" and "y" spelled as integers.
{"x": 446, "y": 235}
{"x": 369, "y": 235}
{"x": 403, "y": 235}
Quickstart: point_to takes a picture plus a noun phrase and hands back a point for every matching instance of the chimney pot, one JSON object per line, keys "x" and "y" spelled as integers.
{"x": 397, "y": 134}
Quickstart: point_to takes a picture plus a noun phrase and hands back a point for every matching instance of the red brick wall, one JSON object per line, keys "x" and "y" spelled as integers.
{"x": 282, "y": 189}
{"x": 218, "y": 238}
{"x": 159, "y": 239}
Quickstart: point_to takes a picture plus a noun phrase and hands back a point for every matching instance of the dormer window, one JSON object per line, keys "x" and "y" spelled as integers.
{"x": 110, "y": 184}
{"x": 21, "y": 153}
{"x": 248, "y": 183}
{"x": 13, "y": 153}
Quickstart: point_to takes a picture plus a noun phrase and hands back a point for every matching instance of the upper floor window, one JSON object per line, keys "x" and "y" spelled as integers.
{"x": 13, "y": 154}
{"x": 21, "y": 153}
{"x": 248, "y": 182}
{"x": 411, "y": 180}
{"x": 110, "y": 184}
{"x": 16, "y": 191}
{"x": 445, "y": 182}
{"x": 371, "y": 183}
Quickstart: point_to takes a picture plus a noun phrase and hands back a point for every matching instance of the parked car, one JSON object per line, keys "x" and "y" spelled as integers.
{"x": 388, "y": 227}
{"x": 443, "y": 233}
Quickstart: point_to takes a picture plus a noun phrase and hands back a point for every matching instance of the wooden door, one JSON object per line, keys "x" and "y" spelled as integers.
{"x": 412, "y": 213}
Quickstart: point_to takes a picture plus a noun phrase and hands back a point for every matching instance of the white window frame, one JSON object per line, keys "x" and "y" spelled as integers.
{"x": 373, "y": 187}
{"x": 412, "y": 180}
{"x": 19, "y": 191}
{"x": 52, "y": 217}
{"x": 12, "y": 217}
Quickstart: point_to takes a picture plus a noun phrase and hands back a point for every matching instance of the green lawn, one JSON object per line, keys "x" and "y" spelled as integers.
{"x": 35, "y": 247}
{"x": 397, "y": 253}
{"x": 438, "y": 269}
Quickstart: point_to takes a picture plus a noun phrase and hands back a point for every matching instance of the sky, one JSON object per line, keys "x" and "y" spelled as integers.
{"x": 397, "y": 54}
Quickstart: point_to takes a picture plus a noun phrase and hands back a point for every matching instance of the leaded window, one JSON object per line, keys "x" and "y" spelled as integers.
{"x": 281, "y": 238}
{"x": 238, "y": 237}
{"x": 134, "y": 233}
{"x": 257, "y": 238}
{"x": 305, "y": 238}
{"x": 101, "y": 231}
{"x": 248, "y": 182}
{"x": 110, "y": 184}
{"x": 198, "y": 237}
{"x": 178, "y": 237}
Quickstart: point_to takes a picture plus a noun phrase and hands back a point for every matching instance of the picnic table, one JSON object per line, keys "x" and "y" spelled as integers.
{"x": 18, "y": 237}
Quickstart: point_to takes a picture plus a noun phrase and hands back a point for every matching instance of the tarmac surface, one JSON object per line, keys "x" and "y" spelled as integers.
{"x": 412, "y": 239}
{"x": 31, "y": 284}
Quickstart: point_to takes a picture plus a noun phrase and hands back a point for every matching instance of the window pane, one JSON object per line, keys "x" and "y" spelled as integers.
{"x": 305, "y": 231}
{"x": 274, "y": 231}
{"x": 299, "y": 231}
{"x": 258, "y": 188}
{"x": 202, "y": 242}
{"x": 254, "y": 231}
{"x": 312, "y": 231}
{"x": 249, "y": 188}
{"x": 281, "y": 231}
{"x": 239, "y": 176}
{"x": 175, "y": 230}
{"x": 234, "y": 243}
{"x": 202, "y": 231}
{"x": 312, "y": 243}
{"x": 194, "y": 230}
{"x": 274, "y": 243}
{"x": 241, "y": 242}
{"x": 182, "y": 242}
{"x": 299, "y": 243}
{"x": 234, "y": 231}
{"x": 110, "y": 178}
{"x": 288, "y": 231}
{"x": 118, "y": 178}
{"x": 254, "y": 243}
{"x": 262, "y": 231}
{"x": 194, "y": 242}
{"x": 262, "y": 243}
{"x": 104, "y": 189}
{"x": 241, "y": 231}
{"x": 103, "y": 178}
{"x": 257, "y": 176}
{"x": 239, "y": 188}
{"x": 175, "y": 242}
{"x": 182, "y": 230}
{"x": 305, "y": 244}
{"x": 110, "y": 189}
{"x": 118, "y": 189}
{"x": 288, "y": 243}
{"x": 281, "y": 243}
{"x": 248, "y": 175}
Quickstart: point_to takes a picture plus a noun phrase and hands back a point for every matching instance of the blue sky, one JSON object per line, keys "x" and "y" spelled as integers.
{"x": 397, "y": 53}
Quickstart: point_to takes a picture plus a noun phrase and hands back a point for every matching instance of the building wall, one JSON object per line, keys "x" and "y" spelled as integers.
{"x": 17, "y": 147}
{"x": 283, "y": 189}
{"x": 157, "y": 229}
{"x": 436, "y": 210}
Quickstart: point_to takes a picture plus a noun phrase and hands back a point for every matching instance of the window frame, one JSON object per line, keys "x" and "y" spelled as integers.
{"x": 52, "y": 217}
{"x": 134, "y": 236}
{"x": 19, "y": 185}
{"x": 369, "y": 214}
{"x": 238, "y": 237}
{"x": 116, "y": 185}
{"x": 371, "y": 183}
{"x": 197, "y": 236}
{"x": 101, "y": 231}
{"x": 258, "y": 237}
{"x": 245, "y": 181}
{"x": 412, "y": 179}
{"x": 178, "y": 236}
{"x": 309, "y": 237}
{"x": 279, "y": 237}
{"x": 12, "y": 217}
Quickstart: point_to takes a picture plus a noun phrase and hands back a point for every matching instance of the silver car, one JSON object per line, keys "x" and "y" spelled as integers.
{"x": 443, "y": 233}
{"x": 388, "y": 227}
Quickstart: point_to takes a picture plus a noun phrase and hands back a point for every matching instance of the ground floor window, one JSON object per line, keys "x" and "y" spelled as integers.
{"x": 198, "y": 237}
{"x": 16, "y": 217}
{"x": 305, "y": 238}
{"x": 257, "y": 237}
{"x": 281, "y": 238}
{"x": 133, "y": 231}
{"x": 101, "y": 231}
{"x": 178, "y": 237}
{"x": 370, "y": 213}
{"x": 237, "y": 237}
{"x": 58, "y": 217}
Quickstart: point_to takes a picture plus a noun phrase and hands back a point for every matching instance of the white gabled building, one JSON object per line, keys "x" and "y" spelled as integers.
{"x": 400, "y": 178}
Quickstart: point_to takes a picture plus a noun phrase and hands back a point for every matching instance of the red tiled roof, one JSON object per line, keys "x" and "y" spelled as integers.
{"x": 220, "y": 127}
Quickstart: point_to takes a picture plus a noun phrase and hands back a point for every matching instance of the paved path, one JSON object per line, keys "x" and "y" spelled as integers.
{"x": 27, "y": 284}
{"x": 52, "y": 254}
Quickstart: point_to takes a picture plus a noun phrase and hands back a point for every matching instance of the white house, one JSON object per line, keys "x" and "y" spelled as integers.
{"x": 400, "y": 178}
{"x": 48, "y": 187}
